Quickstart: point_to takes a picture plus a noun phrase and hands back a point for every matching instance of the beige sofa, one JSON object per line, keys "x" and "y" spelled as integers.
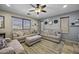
{"x": 13, "y": 47}
{"x": 52, "y": 35}
{"x": 21, "y": 35}
{"x": 18, "y": 35}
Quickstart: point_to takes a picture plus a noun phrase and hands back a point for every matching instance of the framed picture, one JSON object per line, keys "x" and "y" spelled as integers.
{"x": 55, "y": 21}
{"x": 45, "y": 22}
{"x": 50, "y": 22}
{"x": 2, "y": 25}
{"x": 73, "y": 23}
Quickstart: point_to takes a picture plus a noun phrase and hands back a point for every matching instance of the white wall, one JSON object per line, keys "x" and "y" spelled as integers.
{"x": 8, "y": 23}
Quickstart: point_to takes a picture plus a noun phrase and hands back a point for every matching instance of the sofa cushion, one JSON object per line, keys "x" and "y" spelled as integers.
{"x": 20, "y": 33}
{"x": 8, "y": 40}
{"x": 17, "y": 46}
{"x": 3, "y": 43}
{"x": 7, "y": 50}
{"x": 17, "y": 33}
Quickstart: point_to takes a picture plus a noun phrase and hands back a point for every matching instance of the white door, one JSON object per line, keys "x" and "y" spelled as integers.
{"x": 64, "y": 24}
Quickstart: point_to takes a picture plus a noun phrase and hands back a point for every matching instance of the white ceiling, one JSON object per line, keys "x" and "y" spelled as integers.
{"x": 52, "y": 9}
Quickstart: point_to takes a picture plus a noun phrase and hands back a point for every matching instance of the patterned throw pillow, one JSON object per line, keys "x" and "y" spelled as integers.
{"x": 3, "y": 43}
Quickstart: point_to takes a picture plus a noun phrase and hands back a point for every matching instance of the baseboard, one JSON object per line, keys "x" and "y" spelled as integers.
{"x": 70, "y": 41}
{"x": 51, "y": 39}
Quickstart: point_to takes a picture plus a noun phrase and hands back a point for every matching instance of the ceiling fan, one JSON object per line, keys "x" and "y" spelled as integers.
{"x": 38, "y": 8}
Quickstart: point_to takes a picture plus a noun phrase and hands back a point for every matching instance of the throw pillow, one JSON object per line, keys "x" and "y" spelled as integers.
{"x": 3, "y": 43}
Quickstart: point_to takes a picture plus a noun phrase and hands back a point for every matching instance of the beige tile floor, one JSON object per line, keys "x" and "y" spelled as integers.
{"x": 48, "y": 47}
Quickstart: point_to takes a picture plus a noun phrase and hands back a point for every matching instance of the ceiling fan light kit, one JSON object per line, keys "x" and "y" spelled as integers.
{"x": 38, "y": 8}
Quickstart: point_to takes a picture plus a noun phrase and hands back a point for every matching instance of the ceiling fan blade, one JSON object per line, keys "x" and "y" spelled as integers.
{"x": 33, "y": 6}
{"x": 43, "y": 6}
{"x": 38, "y": 5}
{"x": 31, "y": 10}
{"x": 43, "y": 11}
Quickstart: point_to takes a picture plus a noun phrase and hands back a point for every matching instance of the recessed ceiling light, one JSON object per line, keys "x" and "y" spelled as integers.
{"x": 65, "y": 6}
{"x": 8, "y": 5}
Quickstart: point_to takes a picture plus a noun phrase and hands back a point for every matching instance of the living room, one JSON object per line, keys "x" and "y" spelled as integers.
{"x": 39, "y": 28}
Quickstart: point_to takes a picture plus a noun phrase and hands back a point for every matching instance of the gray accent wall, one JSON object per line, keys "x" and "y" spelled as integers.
{"x": 73, "y": 31}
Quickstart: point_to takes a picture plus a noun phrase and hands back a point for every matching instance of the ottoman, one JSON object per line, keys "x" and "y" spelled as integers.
{"x": 33, "y": 39}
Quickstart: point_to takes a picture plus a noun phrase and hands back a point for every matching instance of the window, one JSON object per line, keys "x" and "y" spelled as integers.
{"x": 2, "y": 22}
{"x": 19, "y": 23}
{"x": 26, "y": 24}
{"x": 16, "y": 23}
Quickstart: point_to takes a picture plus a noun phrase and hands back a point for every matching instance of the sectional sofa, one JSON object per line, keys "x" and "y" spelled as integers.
{"x": 13, "y": 47}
